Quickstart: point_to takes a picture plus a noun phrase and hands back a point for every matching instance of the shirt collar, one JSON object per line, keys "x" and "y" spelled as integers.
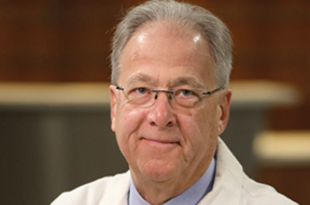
{"x": 190, "y": 196}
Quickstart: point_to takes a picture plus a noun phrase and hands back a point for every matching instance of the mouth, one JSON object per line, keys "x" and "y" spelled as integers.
{"x": 160, "y": 142}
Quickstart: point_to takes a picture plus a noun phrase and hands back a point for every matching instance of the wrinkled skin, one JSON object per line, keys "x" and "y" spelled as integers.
{"x": 167, "y": 149}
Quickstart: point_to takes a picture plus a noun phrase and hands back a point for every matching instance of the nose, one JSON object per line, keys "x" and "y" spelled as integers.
{"x": 161, "y": 113}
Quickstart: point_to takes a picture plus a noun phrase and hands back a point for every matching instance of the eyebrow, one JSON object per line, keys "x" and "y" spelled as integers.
{"x": 192, "y": 81}
{"x": 141, "y": 77}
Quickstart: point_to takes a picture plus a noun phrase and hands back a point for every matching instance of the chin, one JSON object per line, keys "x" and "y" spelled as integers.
{"x": 159, "y": 172}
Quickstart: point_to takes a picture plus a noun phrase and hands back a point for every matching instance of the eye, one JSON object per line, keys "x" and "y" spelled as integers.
{"x": 186, "y": 97}
{"x": 141, "y": 90}
{"x": 187, "y": 93}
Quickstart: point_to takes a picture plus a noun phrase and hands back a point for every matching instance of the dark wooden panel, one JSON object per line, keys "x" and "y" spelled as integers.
{"x": 70, "y": 41}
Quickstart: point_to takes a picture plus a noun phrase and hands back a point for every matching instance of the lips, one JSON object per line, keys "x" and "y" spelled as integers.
{"x": 160, "y": 141}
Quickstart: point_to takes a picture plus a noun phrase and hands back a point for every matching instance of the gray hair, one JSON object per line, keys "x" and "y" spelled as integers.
{"x": 212, "y": 29}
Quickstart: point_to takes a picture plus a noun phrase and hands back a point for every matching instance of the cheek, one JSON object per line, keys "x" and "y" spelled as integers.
{"x": 127, "y": 117}
{"x": 201, "y": 126}
{"x": 127, "y": 123}
{"x": 207, "y": 129}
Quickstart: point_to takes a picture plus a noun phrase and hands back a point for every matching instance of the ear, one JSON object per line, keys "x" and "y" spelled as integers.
{"x": 112, "y": 106}
{"x": 224, "y": 103}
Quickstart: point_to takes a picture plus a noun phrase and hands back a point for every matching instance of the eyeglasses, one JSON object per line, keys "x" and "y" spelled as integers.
{"x": 146, "y": 96}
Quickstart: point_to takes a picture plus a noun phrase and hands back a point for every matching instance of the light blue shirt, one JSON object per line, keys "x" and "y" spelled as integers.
{"x": 191, "y": 196}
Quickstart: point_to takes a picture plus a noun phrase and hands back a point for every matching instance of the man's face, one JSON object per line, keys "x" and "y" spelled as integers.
{"x": 162, "y": 142}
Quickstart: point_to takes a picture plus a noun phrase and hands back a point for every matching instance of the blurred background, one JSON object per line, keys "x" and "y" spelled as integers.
{"x": 54, "y": 113}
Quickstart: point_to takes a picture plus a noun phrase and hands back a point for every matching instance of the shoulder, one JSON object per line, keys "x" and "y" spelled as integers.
{"x": 231, "y": 182}
{"x": 255, "y": 193}
{"x": 96, "y": 191}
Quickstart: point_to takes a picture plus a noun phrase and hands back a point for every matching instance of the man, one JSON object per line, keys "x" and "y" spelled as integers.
{"x": 169, "y": 103}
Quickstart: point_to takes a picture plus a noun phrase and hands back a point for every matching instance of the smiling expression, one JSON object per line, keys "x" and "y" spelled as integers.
{"x": 162, "y": 142}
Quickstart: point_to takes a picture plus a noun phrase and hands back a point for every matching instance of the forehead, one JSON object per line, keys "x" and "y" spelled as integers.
{"x": 165, "y": 51}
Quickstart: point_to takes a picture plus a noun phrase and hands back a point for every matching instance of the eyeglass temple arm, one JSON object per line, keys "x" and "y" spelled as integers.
{"x": 211, "y": 92}
{"x": 119, "y": 88}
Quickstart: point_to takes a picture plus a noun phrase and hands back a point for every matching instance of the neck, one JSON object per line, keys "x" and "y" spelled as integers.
{"x": 157, "y": 193}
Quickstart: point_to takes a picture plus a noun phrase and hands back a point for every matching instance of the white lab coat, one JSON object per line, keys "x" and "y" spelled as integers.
{"x": 231, "y": 187}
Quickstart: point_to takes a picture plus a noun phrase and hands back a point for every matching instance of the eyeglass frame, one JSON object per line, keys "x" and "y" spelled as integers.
{"x": 170, "y": 92}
